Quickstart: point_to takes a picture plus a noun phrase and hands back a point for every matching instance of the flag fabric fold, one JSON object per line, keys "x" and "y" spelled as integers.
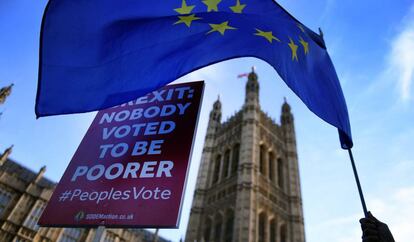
{"x": 98, "y": 54}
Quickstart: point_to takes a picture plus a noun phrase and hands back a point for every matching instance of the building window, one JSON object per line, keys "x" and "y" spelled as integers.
{"x": 228, "y": 236}
{"x": 109, "y": 237}
{"x": 271, "y": 166}
{"x": 71, "y": 235}
{"x": 217, "y": 228}
{"x": 216, "y": 172}
{"x": 262, "y": 161}
{"x": 280, "y": 173}
{"x": 5, "y": 198}
{"x": 19, "y": 239}
{"x": 262, "y": 227}
{"x": 207, "y": 230}
{"x": 31, "y": 220}
{"x": 226, "y": 163}
{"x": 283, "y": 233}
{"x": 273, "y": 230}
{"x": 235, "y": 158}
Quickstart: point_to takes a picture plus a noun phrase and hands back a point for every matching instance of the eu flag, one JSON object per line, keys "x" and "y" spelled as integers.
{"x": 96, "y": 54}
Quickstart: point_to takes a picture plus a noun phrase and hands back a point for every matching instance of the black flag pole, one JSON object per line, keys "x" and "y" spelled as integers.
{"x": 361, "y": 195}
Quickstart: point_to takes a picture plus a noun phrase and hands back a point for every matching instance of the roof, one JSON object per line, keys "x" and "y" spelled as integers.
{"x": 25, "y": 173}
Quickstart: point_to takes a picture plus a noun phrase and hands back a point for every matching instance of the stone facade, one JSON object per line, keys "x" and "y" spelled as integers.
{"x": 248, "y": 186}
{"x": 23, "y": 197}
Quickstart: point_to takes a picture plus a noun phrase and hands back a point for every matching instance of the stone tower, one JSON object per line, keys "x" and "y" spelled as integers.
{"x": 248, "y": 186}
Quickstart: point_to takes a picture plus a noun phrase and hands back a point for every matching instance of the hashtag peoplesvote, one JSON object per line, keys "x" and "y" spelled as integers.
{"x": 65, "y": 195}
{"x": 135, "y": 193}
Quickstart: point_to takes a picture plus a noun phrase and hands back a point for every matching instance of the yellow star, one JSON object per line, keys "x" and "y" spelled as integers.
{"x": 238, "y": 8}
{"x": 268, "y": 35}
{"x": 305, "y": 45}
{"x": 211, "y": 5}
{"x": 184, "y": 8}
{"x": 301, "y": 28}
{"x": 187, "y": 19}
{"x": 294, "y": 49}
{"x": 221, "y": 28}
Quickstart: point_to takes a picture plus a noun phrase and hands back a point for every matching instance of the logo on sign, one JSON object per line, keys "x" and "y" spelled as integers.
{"x": 79, "y": 216}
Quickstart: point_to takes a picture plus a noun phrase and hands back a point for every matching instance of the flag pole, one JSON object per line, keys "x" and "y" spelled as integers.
{"x": 361, "y": 195}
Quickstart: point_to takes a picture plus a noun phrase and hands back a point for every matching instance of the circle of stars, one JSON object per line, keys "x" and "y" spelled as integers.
{"x": 186, "y": 17}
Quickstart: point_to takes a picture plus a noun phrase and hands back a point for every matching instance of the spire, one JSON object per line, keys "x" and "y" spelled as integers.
{"x": 286, "y": 118}
{"x": 215, "y": 114}
{"x": 40, "y": 173}
{"x": 5, "y": 155}
{"x": 252, "y": 75}
{"x": 285, "y": 106}
{"x": 217, "y": 104}
{"x": 4, "y": 92}
{"x": 252, "y": 87}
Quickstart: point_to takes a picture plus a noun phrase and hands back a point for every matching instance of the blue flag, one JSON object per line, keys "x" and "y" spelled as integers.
{"x": 98, "y": 54}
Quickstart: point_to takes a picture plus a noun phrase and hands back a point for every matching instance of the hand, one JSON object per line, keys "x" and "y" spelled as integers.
{"x": 374, "y": 230}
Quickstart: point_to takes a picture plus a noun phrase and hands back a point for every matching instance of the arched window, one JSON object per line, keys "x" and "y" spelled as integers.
{"x": 262, "y": 161}
{"x": 283, "y": 233}
{"x": 280, "y": 173}
{"x": 207, "y": 230}
{"x": 262, "y": 227}
{"x": 273, "y": 230}
{"x": 216, "y": 172}
{"x": 271, "y": 166}
{"x": 235, "y": 158}
{"x": 228, "y": 236}
{"x": 217, "y": 228}
{"x": 226, "y": 163}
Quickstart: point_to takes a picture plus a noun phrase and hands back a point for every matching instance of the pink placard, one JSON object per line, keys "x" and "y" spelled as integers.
{"x": 130, "y": 169}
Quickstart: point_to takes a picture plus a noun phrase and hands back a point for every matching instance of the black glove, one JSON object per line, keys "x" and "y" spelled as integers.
{"x": 374, "y": 230}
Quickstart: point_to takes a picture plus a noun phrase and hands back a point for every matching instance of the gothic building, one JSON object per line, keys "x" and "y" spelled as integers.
{"x": 248, "y": 186}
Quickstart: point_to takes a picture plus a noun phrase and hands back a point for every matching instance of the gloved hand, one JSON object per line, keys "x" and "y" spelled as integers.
{"x": 374, "y": 230}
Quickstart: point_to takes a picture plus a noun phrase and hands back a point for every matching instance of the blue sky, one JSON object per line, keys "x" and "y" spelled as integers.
{"x": 372, "y": 46}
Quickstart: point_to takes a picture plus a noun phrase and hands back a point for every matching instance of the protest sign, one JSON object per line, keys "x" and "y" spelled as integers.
{"x": 130, "y": 169}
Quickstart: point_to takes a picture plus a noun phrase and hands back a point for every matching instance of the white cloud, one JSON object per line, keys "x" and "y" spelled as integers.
{"x": 341, "y": 229}
{"x": 398, "y": 211}
{"x": 395, "y": 209}
{"x": 401, "y": 58}
{"x": 327, "y": 10}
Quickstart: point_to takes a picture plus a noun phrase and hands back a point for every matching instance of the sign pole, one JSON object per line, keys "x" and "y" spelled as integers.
{"x": 99, "y": 234}
{"x": 361, "y": 195}
{"x": 156, "y": 235}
